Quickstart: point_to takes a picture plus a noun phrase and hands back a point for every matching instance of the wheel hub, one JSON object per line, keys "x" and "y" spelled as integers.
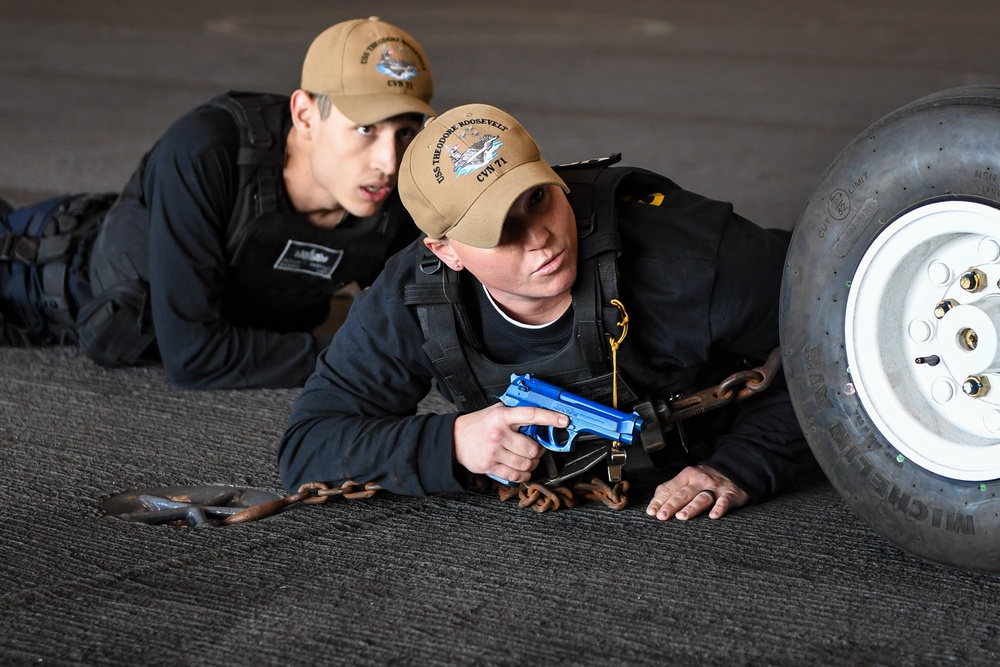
{"x": 923, "y": 337}
{"x": 968, "y": 337}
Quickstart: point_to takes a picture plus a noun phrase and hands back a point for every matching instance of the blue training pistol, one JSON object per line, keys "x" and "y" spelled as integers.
{"x": 585, "y": 416}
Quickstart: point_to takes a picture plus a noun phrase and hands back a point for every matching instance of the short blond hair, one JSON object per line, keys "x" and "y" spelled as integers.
{"x": 323, "y": 103}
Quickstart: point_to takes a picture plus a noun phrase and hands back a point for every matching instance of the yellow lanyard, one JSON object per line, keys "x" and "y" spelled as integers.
{"x": 614, "y": 350}
{"x": 616, "y": 457}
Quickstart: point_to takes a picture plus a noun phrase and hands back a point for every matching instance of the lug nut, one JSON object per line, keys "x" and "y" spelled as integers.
{"x": 976, "y": 386}
{"x": 973, "y": 280}
{"x": 943, "y": 307}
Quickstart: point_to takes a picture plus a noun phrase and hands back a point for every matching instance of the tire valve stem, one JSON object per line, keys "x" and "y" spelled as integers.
{"x": 931, "y": 360}
{"x": 976, "y": 386}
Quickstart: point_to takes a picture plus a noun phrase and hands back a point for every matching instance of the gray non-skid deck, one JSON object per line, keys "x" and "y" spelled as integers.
{"x": 744, "y": 103}
{"x": 452, "y": 580}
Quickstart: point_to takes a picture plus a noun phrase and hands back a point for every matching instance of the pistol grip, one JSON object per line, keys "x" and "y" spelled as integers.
{"x": 502, "y": 480}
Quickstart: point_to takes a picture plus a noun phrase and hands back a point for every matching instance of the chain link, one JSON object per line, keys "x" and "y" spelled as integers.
{"x": 312, "y": 493}
{"x": 545, "y": 498}
{"x": 614, "y": 497}
{"x": 737, "y": 387}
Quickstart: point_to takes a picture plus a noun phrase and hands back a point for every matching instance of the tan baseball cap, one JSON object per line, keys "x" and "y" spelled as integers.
{"x": 371, "y": 70}
{"x": 463, "y": 171}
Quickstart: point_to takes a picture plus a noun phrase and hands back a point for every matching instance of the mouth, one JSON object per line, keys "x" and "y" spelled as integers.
{"x": 375, "y": 192}
{"x": 550, "y": 265}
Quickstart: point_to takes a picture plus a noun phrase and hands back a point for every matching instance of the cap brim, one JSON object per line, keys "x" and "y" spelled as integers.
{"x": 482, "y": 225}
{"x": 369, "y": 109}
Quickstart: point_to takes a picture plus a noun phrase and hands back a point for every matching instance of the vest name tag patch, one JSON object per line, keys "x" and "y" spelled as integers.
{"x": 316, "y": 260}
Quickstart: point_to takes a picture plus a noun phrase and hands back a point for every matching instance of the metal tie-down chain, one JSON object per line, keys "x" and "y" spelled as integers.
{"x": 311, "y": 493}
{"x": 541, "y": 497}
{"x": 544, "y": 497}
{"x": 737, "y": 387}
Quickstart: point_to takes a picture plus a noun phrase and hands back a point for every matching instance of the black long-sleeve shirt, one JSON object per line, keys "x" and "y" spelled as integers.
{"x": 170, "y": 224}
{"x": 697, "y": 280}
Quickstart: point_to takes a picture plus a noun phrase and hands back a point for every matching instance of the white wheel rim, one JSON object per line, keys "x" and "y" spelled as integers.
{"x": 921, "y": 409}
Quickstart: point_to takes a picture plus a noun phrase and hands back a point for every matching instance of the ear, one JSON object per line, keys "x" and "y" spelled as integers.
{"x": 444, "y": 252}
{"x": 305, "y": 113}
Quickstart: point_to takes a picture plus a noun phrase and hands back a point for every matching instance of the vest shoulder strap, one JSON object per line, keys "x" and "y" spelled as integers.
{"x": 260, "y": 118}
{"x": 593, "y": 192}
{"x": 436, "y": 296}
{"x": 253, "y": 114}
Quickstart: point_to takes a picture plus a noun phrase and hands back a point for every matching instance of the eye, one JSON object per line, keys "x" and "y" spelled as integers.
{"x": 537, "y": 195}
{"x": 366, "y": 130}
{"x": 406, "y": 134}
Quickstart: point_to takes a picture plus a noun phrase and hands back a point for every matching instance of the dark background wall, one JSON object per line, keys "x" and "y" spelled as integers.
{"x": 746, "y": 102}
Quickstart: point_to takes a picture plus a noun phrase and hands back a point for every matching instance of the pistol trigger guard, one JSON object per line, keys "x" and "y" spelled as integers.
{"x": 554, "y": 445}
{"x": 551, "y": 444}
{"x": 531, "y": 431}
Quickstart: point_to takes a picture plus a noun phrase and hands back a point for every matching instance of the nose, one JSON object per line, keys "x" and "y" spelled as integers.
{"x": 386, "y": 154}
{"x": 536, "y": 234}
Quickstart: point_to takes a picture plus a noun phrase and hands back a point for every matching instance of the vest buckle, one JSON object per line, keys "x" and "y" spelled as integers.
{"x": 430, "y": 265}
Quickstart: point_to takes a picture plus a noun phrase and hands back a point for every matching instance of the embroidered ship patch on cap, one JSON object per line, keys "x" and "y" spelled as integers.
{"x": 395, "y": 63}
{"x": 476, "y": 155}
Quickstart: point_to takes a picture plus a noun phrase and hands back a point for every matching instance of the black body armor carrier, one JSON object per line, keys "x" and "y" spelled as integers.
{"x": 583, "y": 366}
{"x": 282, "y": 269}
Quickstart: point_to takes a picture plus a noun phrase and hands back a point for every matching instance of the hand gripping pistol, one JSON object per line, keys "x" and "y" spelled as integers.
{"x": 585, "y": 416}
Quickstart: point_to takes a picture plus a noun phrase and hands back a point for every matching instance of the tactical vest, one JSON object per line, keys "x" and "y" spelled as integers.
{"x": 282, "y": 269}
{"x": 583, "y": 366}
